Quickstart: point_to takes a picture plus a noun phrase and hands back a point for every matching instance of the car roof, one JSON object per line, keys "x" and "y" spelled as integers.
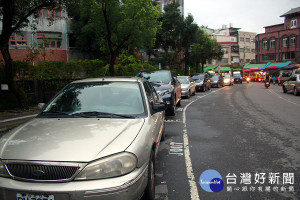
{"x": 154, "y": 70}
{"x": 109, "y": 79}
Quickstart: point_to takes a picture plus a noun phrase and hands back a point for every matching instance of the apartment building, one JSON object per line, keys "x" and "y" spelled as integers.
{"x": 48, "y": 42}
{"x": 163, "y": 3}
{"x": 238, "y": 46}
{"x": 280, "y": 42}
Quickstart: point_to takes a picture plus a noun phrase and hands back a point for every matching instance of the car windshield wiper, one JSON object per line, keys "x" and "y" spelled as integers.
{"x": 54, "y": 113}
{"x": 98, "y": 114}
{"x": 58, "y": 113}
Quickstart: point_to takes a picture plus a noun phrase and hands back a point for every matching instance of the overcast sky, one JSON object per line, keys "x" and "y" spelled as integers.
{"x": 249, "y": 15}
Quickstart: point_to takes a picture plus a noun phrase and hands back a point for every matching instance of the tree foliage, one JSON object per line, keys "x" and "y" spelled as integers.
{"x": 205, "y": 49}
{"x": 15, "y": 15}
{"x": 169, "y": 36}
{"x": 117, "y": 25}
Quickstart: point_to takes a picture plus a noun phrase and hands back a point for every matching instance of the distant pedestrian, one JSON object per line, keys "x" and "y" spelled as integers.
{"x": 274, "y": 79}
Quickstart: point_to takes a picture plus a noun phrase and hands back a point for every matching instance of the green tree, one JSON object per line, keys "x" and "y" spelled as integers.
{"x": 119, "y": 25}
{"x": 205, "y": 49}
{"x": 15, "y": 14}
{"x": 188, "y": 37}
{"x": 169, "y": 36}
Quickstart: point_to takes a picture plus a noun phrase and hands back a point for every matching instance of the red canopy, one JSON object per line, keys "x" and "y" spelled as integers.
{"x": 271, "y": 67}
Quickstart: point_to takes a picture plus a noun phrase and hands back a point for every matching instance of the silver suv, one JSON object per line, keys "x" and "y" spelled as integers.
{"x": 97, "y": 139}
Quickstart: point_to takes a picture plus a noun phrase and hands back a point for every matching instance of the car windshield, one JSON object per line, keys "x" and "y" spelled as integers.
{"x": 156, "y": 76}
{"x": 226, "y": 76}
{"x": 183, "y": 80}
{"x": 215, "y": 78}
{"x": 94, "y": 99}
{"x": 236, "y": 75}
{"x": 198, "y": 77}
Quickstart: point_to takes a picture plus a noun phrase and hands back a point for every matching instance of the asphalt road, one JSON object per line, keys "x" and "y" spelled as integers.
{"x": 248, "y": 134}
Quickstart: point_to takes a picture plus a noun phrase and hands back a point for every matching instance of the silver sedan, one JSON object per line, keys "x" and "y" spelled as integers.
{"x": 97, "y": 139}
{"x": 188, "y": 86}
{"x": 292, "y": 84}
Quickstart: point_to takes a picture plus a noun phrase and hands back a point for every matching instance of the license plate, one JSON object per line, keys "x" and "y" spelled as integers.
{"x": 34, "y": 197}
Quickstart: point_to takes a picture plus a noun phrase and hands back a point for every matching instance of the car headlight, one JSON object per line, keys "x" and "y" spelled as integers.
{"x": 112, "y": 166}
{"x": 3, "y": 171}
{"x": 184, "y": 89}
{"x": 226, "y": 80}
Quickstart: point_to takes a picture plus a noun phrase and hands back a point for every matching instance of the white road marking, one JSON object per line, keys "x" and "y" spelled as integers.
{"x": 188, "y": 161}
{"x": 17, "y": 118}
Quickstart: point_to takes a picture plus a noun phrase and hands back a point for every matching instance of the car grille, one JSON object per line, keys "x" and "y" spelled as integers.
{"x": 41, "y": 172}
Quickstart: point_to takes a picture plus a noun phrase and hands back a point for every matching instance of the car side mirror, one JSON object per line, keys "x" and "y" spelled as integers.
{"x": 41, "y": 106}
{"x": 159, "y": 106}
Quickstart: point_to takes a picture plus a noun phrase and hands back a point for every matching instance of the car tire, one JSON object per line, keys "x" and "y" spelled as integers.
{"x": 296, "y": 93}
{"x": 179, "y": 103}
{"x": 163, "y": 134}
{"x": 284, "y": 89}
{"x": 204, "y": 88}
{"x": 172, "y": 112}
{"x": 150, "y": 189}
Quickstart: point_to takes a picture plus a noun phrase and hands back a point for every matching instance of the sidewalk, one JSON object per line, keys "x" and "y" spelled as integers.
{"x": 12, "y": 118}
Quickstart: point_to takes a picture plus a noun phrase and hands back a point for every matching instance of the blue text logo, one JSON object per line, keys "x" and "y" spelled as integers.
{"x": 211, "y": 181}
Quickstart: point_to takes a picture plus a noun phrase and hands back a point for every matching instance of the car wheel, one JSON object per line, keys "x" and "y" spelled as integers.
{"x": 179, "y": 103}
{"x": 189, "y": 94}
{"x": 296, "y": 93}
{"x": 284, "y": 89}
{"x": 194, "y": 93}
{"x": 172, "y": 112}
{"x": 204, "y": 88}
{"x": 150, "y": 189}
{"x": 163, "y": 134}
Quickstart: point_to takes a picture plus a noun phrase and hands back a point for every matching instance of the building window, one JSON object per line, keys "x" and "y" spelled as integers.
{"x": 225, "y": 49}
{"x": 17, "y": 40}
{"x": 49, "y": 40}
{"x": 288, "y": 55}
{"x": 293, "y": 23}
{"x": 293, "y": 41}
{"x": 241, "y": 39}
{"x": 268, "y": 57}
{"x": 46, "y": 14}
{"x": 265, "y": 44}
{"x": 247, "y": 39}
{"x": 234, "y": 49}
{"x": 284, "y": 42}
{"x": 241, "y": 49}
{"x": 253, "y": 50}
{"x": 272, "y": 44}
{"x": 247, "y": 49}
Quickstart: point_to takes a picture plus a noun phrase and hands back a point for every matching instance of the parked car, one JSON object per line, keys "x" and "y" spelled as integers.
{"x": 188, "y": 86}
{"x": 292, "y": 84}
{"x": 228, "y": 79}
{"x": 283, "y": 76}
{"x": 217, "y": 81}
{"x": 167, "y": 86}
{"x": 202, "y": 81}
{"x": 237, "y": 78}
{"x": 97, "y": 139}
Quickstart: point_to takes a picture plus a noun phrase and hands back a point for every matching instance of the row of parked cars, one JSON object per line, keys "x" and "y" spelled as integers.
{"x": 96, "y": 139}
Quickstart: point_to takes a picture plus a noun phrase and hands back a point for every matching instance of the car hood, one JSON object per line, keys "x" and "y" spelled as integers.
{"x": 65, "y": 139}
{"x": 161, "y": 86}
{"x": 184, "y": 86}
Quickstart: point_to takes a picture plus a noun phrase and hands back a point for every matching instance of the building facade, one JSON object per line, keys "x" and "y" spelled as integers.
{"x": 48, "y": 42}
{"x": 280, "y": 42}
{"x": 238, "y": 46}
{"x": 163, "y": 3}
